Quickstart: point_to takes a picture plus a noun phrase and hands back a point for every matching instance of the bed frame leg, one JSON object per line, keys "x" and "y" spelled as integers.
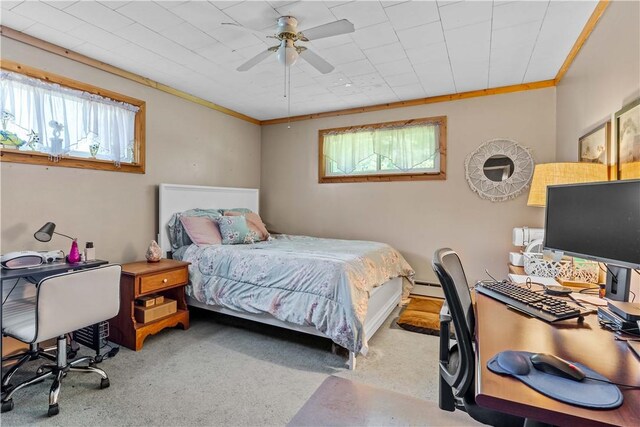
{"x": 334, "y": 348}
{"x": 352, "y": 361}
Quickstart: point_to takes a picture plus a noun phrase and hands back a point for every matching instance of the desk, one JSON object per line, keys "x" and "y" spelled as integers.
{"x": 41, "y": 272}
{"x": 499, "y": 329}
{"x": 48, "y": 269}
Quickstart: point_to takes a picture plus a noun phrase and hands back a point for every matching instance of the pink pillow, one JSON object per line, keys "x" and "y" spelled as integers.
{"x": 201, "y": 230}
{"x": 253, "y": 221}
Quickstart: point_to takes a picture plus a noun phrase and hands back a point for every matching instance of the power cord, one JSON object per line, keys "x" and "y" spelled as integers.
{"x": 614, "y": 383}
{"x": 14, "y": 286}
{"x": 29, "y": 279}
{"x": 489, "y": 274}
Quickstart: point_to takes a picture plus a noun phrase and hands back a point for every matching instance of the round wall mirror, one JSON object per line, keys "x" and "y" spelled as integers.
{"x": 499, "y": 169}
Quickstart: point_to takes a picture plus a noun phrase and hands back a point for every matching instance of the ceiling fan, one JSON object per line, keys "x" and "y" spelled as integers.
{"x": 288, "y": 52}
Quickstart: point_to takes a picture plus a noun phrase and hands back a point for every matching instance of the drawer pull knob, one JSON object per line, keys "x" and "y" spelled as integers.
{"x": 165, "y": 280}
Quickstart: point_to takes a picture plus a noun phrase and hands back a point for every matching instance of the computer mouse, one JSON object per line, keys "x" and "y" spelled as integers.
{"x": 557, "y": 290}
{"x": 554, "y": 365}
{"x": 513, "y": 362}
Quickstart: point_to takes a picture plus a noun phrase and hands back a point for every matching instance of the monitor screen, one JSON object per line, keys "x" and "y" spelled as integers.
{"x": 598, "y": 221}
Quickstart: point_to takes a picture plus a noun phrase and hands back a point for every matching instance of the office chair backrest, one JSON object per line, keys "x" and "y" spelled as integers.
{"x": 448, "y": 268}
{"x": 70, "y": 301}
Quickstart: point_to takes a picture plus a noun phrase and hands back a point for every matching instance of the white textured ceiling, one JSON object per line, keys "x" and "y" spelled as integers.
{"x": 400, "y": 50}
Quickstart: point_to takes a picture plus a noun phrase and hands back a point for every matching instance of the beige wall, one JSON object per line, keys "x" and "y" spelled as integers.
{"x": 186, "y": 144}
{"x": 415, "y": 217}
{"x": 602, "y": 79}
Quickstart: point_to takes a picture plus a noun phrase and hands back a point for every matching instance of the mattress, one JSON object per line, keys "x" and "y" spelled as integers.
{"x": 323, "y": 283}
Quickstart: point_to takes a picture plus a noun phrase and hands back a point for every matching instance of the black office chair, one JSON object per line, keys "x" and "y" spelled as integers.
{"x": 457, "y": 361}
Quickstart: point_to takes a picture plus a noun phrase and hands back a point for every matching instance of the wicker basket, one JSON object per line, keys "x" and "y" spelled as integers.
{"x": 567, "y": 268}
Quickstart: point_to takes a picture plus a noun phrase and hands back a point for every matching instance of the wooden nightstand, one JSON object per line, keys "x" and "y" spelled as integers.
{"x": 167, "y": 277}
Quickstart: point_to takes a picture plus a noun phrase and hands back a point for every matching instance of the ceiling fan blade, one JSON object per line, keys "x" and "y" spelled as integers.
{"x": 245, "y": 29}
{"x": 316, "y": 61}
{"x": 336, "y": 28}
{"x": 255, "y": 60}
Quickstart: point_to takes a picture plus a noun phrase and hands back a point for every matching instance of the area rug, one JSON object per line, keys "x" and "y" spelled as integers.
{"x": 422, "y": 315}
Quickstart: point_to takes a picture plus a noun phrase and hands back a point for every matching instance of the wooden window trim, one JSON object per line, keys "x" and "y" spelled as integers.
{"x": 441, "y": 121}
{"x": 37, "y": 158}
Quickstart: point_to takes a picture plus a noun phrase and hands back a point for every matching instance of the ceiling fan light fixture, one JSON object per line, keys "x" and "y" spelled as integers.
{"x": 287, "y": 53}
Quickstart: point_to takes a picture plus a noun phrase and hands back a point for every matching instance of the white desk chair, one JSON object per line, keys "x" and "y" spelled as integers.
{"x": 64, "y": 303}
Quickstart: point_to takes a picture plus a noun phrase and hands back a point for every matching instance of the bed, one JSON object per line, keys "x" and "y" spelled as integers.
{"x": 339, "y": 289}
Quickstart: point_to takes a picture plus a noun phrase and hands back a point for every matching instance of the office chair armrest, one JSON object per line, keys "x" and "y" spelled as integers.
{"x": 445, "y": 315}
{"x": 445, "y": 332}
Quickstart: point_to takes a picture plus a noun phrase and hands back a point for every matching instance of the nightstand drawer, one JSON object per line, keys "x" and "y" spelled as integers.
{"x": 155, "y": 282}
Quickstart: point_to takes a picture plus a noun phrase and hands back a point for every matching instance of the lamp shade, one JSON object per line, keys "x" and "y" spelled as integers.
{"x": 45, "y": 233}
{"x": 562, "y": 173}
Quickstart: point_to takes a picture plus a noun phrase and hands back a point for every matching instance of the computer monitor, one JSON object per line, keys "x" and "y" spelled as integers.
{"x": 597, "y": 221}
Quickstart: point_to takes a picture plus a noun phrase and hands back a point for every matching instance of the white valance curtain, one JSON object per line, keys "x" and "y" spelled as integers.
{"x": 57, "y": 120}
{"x": 406, "y": 147}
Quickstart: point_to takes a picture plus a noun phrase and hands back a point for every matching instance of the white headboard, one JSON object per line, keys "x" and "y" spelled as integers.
{"x": 177, "y": 198}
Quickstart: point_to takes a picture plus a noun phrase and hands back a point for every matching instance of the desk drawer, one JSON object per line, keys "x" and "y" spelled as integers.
{"x": 166, "y": 279}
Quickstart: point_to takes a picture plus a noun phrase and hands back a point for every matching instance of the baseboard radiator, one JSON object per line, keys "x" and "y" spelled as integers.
{"x": 428, "y": 289}
{"x": 423, "y": 283}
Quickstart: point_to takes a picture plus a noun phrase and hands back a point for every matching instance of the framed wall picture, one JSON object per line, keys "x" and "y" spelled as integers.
{"x": 628, "y": 140}
{"x": 595, "y": 146}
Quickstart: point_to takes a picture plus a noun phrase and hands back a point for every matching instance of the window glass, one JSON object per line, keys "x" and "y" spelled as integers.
{"x": 398, "y": 148}
{"x": 49, "y": 118}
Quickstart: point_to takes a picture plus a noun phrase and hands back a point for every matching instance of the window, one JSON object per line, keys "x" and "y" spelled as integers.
{"x": 52, "y": 120}
{"x": 393, "y": 151}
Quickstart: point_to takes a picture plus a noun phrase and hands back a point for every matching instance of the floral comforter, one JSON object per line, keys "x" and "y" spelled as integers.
{"x": 324, "y": 283}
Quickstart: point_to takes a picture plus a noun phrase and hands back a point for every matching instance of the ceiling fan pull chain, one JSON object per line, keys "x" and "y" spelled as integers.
{"x": 289, "y": 102}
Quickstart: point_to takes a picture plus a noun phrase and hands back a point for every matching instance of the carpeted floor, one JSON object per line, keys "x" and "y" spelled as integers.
{"x": 226, "y": 371}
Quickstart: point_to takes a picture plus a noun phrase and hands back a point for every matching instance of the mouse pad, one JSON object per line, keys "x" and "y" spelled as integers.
{"x": 587, "y": 393}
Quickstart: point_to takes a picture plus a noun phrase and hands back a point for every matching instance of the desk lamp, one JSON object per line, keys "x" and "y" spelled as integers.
{"x": 46, "y": 232}
{"x": 562, "y": 173}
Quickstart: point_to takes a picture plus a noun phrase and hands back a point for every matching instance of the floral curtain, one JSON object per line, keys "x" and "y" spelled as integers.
{"x": 53, "y": 119}
{"x": 405, "y": 147}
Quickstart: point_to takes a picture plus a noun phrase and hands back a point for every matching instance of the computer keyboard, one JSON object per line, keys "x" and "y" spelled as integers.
{"x": 535, "y": 304}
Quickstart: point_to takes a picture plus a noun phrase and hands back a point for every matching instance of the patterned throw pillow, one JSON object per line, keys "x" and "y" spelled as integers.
{"x": 241, "y": 210}
{"x": 235, "y": 230}
{"x": 253, "y": 221}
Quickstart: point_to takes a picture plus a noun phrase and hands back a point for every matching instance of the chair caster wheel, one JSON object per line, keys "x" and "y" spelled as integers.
{"x": 7, "y": 406}
{"x": 72, "y": 355}
{"x": 104, "y": 383}
{"x": 99, "y": 358}
{"x": 53, "y": 410}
